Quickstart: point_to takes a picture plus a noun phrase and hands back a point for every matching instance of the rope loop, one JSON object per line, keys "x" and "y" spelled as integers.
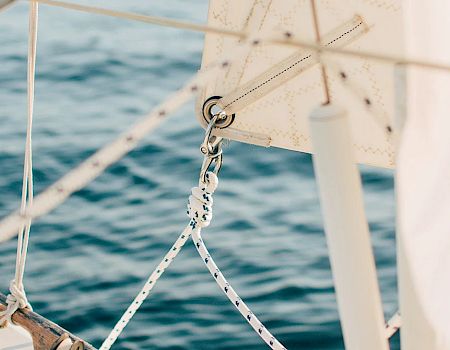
{"x": 17, "y": 299}
{"x": 201, "y": 201}
{"x": 17, "y": 295}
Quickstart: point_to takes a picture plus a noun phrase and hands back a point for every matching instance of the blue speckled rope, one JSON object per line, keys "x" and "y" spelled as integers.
{"x": 200, "y": 213}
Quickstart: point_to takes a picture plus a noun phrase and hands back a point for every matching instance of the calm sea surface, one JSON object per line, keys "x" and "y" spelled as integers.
{"x": 89, "y": 257}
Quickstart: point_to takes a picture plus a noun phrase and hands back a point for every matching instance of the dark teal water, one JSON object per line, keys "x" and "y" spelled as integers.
{"x": 88, "y": 258}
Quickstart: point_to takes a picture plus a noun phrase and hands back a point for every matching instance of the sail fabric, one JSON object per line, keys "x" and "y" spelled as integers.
{"x": 423, "y": 181}
{"x": 272, "y": 90}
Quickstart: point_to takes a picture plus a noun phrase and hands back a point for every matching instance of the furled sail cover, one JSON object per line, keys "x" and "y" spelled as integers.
{"x": 424, "y": 182}
{"x": 272, "y": 89}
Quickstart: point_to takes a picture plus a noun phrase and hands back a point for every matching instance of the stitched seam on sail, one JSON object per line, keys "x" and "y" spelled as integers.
{"x": 290, "y": 67}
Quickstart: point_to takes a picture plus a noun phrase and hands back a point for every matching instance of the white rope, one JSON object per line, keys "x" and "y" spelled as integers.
{"x": 161, "y": 21}
{"x": 95, "y": 165}
{"x": 285, "y": 39}
{"x": 159, "y": 270}
{"x": 393, "y": 325}
{"x": 200, "y": 214}
{"x": 79, "y": 177}
{"x": 146, "y": 289}
{"x": 17, "y": 298}
{"x": 201, "y": 203}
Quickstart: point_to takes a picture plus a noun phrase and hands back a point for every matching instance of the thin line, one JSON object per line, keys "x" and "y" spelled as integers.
{"x": 344, "y": 34}
{"x": 318, "y": 41}
{"x": 287, "y": 41}
{"x": 161, "y": 21}
{"x": 291, "y": 66}
{"x": 267, "y": 81}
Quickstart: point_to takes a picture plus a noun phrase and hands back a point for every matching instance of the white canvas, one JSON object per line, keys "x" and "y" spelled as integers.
{"x": 279, "y": 118}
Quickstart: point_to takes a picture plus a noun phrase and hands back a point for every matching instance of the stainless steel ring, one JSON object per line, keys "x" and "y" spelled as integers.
{"x": 208, "y": 114}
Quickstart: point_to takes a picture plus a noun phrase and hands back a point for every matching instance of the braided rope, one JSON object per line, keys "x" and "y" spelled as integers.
{"x": 196, "y": 201}
{"x": 232, "y": 295}
{"x": 146, "y": 289}
{"x": 49, "y": 200}
{"x": 17, "y": 298}
{"x": 200, "y": 214}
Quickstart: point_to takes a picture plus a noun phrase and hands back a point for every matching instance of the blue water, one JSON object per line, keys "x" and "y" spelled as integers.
{"x": 89, "y": 257}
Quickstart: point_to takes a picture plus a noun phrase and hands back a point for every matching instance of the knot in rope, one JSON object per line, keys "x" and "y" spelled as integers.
{"x": 201, "y": 201}
{"x": 17, "y": 296}
{"x": 17, "y": 299}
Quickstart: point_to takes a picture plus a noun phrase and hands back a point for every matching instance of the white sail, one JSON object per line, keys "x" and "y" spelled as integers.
{"x": 424, "y": 183}
{"x": 273, "y": 89}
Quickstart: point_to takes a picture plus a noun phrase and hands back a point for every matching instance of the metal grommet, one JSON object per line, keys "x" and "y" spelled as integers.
{"x": 208, "y": 113}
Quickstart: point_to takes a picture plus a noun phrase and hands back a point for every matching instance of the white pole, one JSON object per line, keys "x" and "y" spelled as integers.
{"x": 347, "y": 231}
